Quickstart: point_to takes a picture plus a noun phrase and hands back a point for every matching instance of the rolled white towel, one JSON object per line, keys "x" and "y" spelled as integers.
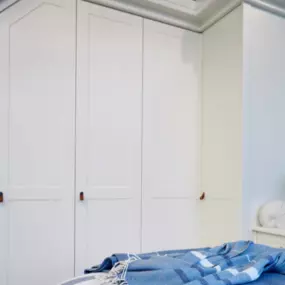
{"x": 272, "y": 215}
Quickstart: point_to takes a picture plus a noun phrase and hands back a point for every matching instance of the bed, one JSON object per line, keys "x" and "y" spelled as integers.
{"x": 269, "y": 279}
{"x": 91, "y": 279}
{"x": 265, "y": 279}
{"x": 242, "y": 262}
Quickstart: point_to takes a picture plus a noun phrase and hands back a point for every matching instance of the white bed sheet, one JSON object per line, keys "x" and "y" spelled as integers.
{"x": 90, "y": 279}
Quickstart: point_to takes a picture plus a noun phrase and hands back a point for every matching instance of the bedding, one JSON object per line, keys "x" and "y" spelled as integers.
{"x": 269, "y": 279}
{"x": 265, "y": 279}
{"x": 232, "y": 263}
{"x": 91, "y": 279}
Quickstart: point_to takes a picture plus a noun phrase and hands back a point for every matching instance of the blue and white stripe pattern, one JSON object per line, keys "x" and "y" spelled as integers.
{"x": 232, "y": 263}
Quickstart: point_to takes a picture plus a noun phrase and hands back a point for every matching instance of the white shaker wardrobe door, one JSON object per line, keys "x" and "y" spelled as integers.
{"x": 109, "y": 122}
{"x": 37, "y": 95}
{"x": 170, "y": 136}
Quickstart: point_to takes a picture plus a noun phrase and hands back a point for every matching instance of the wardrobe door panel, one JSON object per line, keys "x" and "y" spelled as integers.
{"x": 4, "y": 103}
{"x": 109, "y": 114}
{"x": 170, "y": 136}
{"x": 37, "y": 93}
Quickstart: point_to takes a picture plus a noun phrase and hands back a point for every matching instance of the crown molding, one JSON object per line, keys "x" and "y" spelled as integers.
{"x": 5, "y": 4}
{"x": 187, "y": 22}
{"x": 184, "y": 21}
{"x": 193, "y": 8}
{"x": 276, "y": 7}
{"x": 145, "y": 12}
{"x": 220, "y": 14}
{"x": 149, "y": 10}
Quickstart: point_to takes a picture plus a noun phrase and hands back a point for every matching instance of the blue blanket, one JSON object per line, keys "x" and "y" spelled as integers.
{"x": 269, "y": 279}
{"x": 232, "y": 263}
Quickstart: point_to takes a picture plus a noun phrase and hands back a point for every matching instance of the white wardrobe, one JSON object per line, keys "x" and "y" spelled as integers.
{"x": 112, "y": 125}
{"x": 37, "y": 145}
{"x": 136, "y": 136}
{"x": 99, "y": 148}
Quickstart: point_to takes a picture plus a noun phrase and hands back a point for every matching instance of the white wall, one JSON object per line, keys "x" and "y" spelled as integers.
{"x": 222, "y": 131}
{"x": 264, "y": 111}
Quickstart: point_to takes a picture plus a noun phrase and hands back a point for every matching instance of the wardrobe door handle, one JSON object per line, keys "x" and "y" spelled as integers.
{"x": 81, "y": 196}
{"x": 203, "y": 196}
{"x": 1, "y": 197}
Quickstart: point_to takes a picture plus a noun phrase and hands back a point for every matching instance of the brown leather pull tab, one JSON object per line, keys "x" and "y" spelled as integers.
{"x": 203, "y": 196}
{"x": 81, "y": 196}
{"x": 1, "y": 197}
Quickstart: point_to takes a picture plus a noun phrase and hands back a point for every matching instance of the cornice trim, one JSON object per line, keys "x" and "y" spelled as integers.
{"x": 272, "y": 6}
{"x": 221, "y": 14}
{"x": 167, "y": 18}
{"x": 6, "y": 4}
{"x": 147, "y": 14}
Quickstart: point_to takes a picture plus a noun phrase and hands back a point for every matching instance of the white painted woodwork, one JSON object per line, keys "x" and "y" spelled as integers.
{"x": 270, "y": 237}
{"x": 186, "y": 6}
{"x": 171, "y": 127}
{"x": 37, "y": 98}
{"x": 222, "y": 131}
{"x": 272, "y": 6}
{"x": 5, "y": 4}
{"x": 137, "y": 137}
{"x": 196, "y": 16}
{"x": 109, "y": 119}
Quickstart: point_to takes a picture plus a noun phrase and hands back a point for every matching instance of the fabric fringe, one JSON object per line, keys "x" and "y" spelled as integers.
{"x": 117, "y": 275}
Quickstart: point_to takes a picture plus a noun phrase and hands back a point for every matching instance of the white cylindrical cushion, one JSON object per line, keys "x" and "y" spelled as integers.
{"x": 272, "y": 215}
